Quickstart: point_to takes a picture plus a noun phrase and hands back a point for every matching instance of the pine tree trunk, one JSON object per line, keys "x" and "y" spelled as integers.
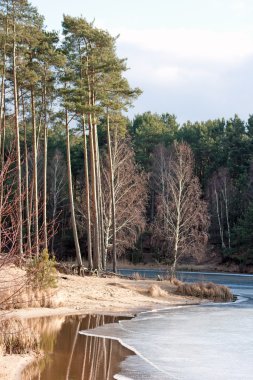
{"x": 54, "y": 209}
{"x": 87, "y": 195}
{"x": 96, "y": 253}
{"x": 2, "y": 104}
{"x": 16, "y": 121}
{"x": 71, "y": 199}
{"x": 2, "y": 124}
{"x": 35, "y": 177}
{"x": 2, "y": 143}
{"x": 27, "y": 206}
{"x": 45, "y": 242}
{"x": 2, "y": 183}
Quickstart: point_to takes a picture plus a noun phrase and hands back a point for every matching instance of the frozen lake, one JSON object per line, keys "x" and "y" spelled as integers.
{"x": 212, "y": 341}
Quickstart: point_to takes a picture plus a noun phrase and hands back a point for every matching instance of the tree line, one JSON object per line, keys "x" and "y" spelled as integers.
{"x": 80, "y": 179}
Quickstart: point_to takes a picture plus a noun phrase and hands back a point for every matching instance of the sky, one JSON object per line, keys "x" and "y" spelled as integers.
{"x": 191, "y": 58}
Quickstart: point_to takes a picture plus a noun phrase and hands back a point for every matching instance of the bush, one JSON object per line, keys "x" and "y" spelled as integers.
{"x": 41, "y": 271}
{"x": 206, "y": 290}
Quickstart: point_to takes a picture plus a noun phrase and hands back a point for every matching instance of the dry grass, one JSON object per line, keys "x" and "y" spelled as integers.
{"x": 15, "y": 339}
{"x": 173, "y": 280}
{"x": 205, "y": 290}
{"x": 17, "y": 292}
{"x": 21, "y": 336}
{"x": 136, "y": 276}
{"x": 20, "y": 298}
{"x": 155, "y": 291}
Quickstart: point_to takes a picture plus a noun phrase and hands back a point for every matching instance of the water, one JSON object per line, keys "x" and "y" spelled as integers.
{"x": 71, "y": 356}
{"x": 212, "y": 341}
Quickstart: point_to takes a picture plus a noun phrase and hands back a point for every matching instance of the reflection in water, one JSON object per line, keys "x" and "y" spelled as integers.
{"x": 71, "y": 356}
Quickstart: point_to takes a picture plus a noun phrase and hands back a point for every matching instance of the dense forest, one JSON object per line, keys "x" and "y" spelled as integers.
{"x": 81, "y": 180}
{"x": 223, "y": 153}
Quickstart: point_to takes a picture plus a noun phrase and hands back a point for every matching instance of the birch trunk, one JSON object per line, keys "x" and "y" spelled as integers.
{"x": 114, "y": 252}
{"x": 219, "y": 219}
{"x": 99, "y": 202}
{"x": 177, "y": 231}
{"x": 225, "y": 197}
{"x": 96, "y": 253}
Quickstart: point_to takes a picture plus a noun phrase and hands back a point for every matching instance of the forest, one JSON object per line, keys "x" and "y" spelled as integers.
{"x": 82, "y": 181}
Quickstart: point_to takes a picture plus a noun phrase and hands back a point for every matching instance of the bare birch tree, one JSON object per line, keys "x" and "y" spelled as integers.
{"x": 124, "y": 223}
{"x": 181, "y": 221}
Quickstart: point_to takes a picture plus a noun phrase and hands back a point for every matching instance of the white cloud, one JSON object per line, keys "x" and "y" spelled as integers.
{"x": 239, "y": 5}
{"x": 197, "y": 45}
{"x": 164, "y": 75}
{"x": 194, "y": 73}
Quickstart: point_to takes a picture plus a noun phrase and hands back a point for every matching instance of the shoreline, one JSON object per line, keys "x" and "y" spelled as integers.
{"x": 215, "y": 267}
{"x": 93, "y": 295}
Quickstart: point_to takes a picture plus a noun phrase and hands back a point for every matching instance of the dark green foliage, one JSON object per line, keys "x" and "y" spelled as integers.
{"x": 149, "y": 130}
{"x": 243, "y": 235}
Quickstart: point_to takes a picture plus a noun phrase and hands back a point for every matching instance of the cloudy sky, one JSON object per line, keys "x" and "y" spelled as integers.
{"x": 193, "y": 58}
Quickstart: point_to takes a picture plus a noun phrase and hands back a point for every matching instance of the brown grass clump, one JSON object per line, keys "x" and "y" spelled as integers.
{"x": 155, "y": 291}
{"x": 17, "y": 339}
{"x": 205, "y": 290}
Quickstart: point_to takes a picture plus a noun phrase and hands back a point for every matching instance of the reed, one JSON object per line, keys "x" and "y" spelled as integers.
{"x": 205, "y": 290}
{"x": 17, "y": 339}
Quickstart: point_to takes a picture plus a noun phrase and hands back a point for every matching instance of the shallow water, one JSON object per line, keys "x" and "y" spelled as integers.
{"x": 213, "y": 341}
{"x": 71, "y": 356}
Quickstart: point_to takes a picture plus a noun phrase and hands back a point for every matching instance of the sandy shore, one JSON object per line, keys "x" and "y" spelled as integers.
{"x": 85, "y": 295}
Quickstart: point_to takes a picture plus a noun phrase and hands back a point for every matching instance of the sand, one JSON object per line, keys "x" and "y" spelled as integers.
{"x": 84, "y": 295}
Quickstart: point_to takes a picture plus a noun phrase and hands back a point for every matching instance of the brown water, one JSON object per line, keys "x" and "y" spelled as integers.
{"x": 71, "y": 356}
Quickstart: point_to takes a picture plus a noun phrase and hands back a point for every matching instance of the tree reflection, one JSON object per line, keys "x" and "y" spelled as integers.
{"x": 78, "y": 357}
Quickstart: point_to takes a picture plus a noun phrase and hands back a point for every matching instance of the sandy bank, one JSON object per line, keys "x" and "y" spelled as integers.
{"x": 84, "y": 295}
